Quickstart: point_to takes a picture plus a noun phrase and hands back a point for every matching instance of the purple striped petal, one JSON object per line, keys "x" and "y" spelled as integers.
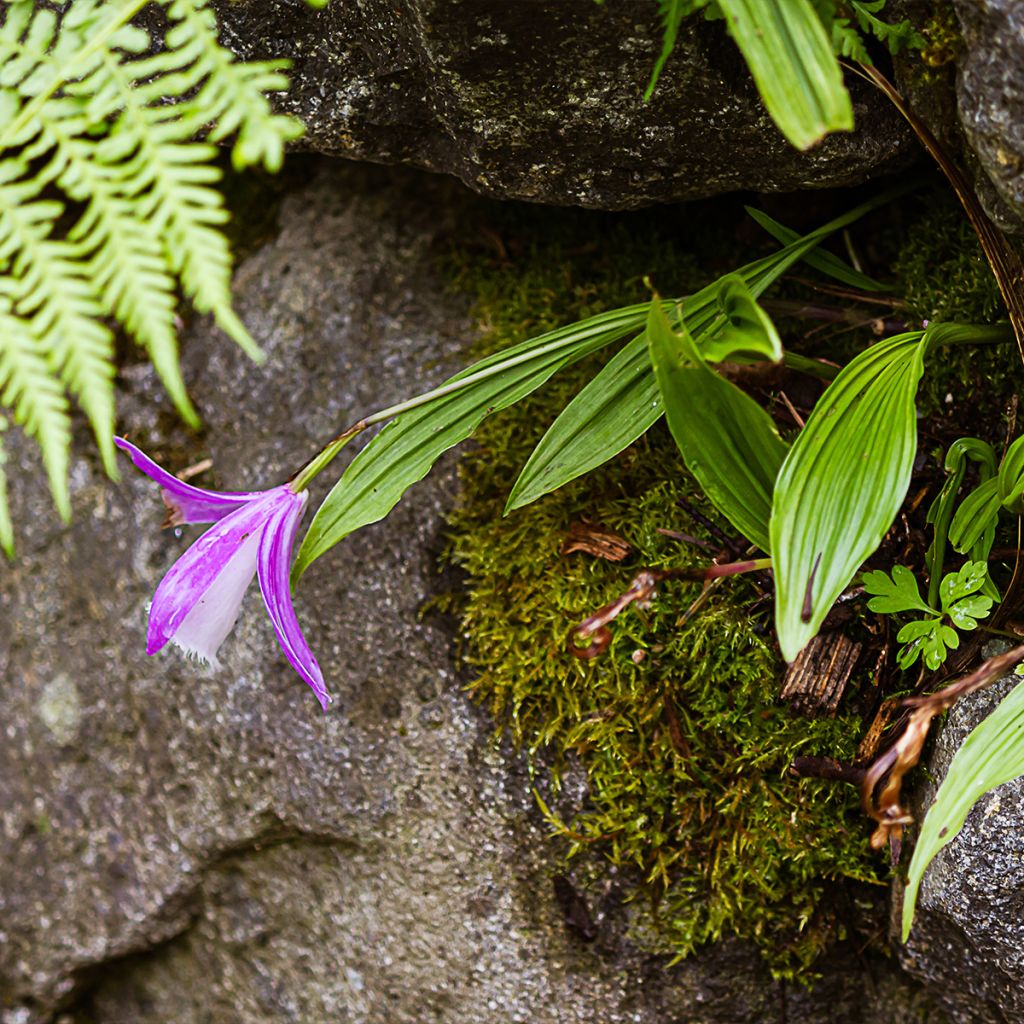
{"x": 197, "y": 601}
{"x": 272, "y": 567}
{"x": 185, "y": 503}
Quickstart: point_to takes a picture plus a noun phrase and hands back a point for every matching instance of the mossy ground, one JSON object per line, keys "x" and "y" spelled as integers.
{"x": 679, "y": 732}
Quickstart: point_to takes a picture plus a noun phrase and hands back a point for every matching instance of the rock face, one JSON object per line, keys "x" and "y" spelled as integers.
{"x": 205, "y": 847}
{"x": 543, "y": 101}
{"x": 967, "y": 941}
{"x": 990, "y": 94}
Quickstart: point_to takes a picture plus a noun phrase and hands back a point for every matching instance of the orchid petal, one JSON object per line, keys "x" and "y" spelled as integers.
{"x": 185, "y": 503}
{"x": 272, "y": 567}
{"x": 191, "y": 581}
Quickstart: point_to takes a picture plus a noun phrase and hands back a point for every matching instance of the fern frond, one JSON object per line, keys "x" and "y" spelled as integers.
{"x": 108, "y": 204}
{"x": 232, "y": 94}
{"x": 122, "y": 253}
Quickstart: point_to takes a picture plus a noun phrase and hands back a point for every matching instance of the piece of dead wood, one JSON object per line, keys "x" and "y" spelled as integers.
{"x": 594, "y": 539}
{"x": 868, "y": 747}
{"x": 815, "y": 681}
{"x": 886, "y": 774}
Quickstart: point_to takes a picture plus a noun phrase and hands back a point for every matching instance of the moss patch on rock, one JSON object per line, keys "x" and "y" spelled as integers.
{"x": 677, "y": 730}
{"x": 684, "y": 747}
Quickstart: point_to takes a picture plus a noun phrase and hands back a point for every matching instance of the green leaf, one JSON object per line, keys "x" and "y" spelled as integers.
{"x": 965, "y": 614}
{"x": 1011, "y": 478}
{"x": 991, "y": 755}
{"x": 917, "y": 629}
{"x": 672, "y": 14}
{"x": 747, "y": 334}
{"x": 898, "y": 593}
{"x": 728, "y": 441}
{"x": 928, "y": 638}
{"x": 843, "y": 483}
{"x": 623, "y": 401}
{"x": 790, "y": 56}
{"x": 977, "y": 515}
{"x": 406, "y": 448}
{"x": 957, "y": 585}
{"x": 820, "y": 259}
{"x": 940, "y": 514}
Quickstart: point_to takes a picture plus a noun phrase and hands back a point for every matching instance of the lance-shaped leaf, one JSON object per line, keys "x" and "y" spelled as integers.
{"x": 847, "y": 474}
{"x": 790, "y": 56}
{"x": 991, "y": 755}
{"x": 406, "y": 448}
{"x": 843, "y": 483}
{"x": 622, "y": 401}
{"x": 728, "y": 441}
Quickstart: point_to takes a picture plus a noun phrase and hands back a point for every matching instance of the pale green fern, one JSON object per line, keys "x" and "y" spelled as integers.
{"x": 108, "y": 210}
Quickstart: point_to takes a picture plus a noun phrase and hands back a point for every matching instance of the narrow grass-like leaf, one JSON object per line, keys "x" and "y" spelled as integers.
{"x": 843, "y": 483}
{"x": 727, "y": 440}
{"x": 991, "y": 755}
{"x": 407, "y": 447}
{"x": 820, "y": 259}
{"x": 672, "y": 14}
{"x": 622, "y": 401}
{"x": 790, "y": 56}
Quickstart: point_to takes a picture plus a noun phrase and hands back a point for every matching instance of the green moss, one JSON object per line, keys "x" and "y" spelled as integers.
{"x": 678, "y": 731}
{"x": 684, "y": 746}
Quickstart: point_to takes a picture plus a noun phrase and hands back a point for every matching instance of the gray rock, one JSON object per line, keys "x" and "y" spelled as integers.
{"x": 543, "y": 100}
{"x": 990, "y": 96}
{"x": 967, "y": 942}
{"x": 198, "y": 847}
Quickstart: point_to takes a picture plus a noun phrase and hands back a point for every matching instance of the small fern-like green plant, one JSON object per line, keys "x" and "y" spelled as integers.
{"x": 108, "y": 207}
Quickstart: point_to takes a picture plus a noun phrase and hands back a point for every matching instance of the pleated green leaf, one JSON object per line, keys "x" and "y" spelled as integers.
{"x": 843, "y": 483}
{"x": 847, "y": 474}
{"x": 727, "y": 440}
{"x": 991, "y": 755}
{"x": 790, "y": 56}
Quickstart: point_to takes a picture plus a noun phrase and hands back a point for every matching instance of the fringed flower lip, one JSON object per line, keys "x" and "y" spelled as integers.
{"x": 197, "y": 602}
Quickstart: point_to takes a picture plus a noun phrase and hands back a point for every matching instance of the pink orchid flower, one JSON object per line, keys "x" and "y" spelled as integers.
{"x": 197, "y": 602}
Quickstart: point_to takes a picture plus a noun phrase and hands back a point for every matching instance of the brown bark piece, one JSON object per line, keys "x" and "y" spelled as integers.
{"x": 815, "y": 681}
{"x": 597, "y": 541}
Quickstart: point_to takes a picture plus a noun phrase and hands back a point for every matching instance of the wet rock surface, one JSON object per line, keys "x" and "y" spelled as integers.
{"x": 205, "y": 847}
{"x": 544, "y": 101}
{"x": 966, "y": 943}
{"x": 990, "y": 96}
